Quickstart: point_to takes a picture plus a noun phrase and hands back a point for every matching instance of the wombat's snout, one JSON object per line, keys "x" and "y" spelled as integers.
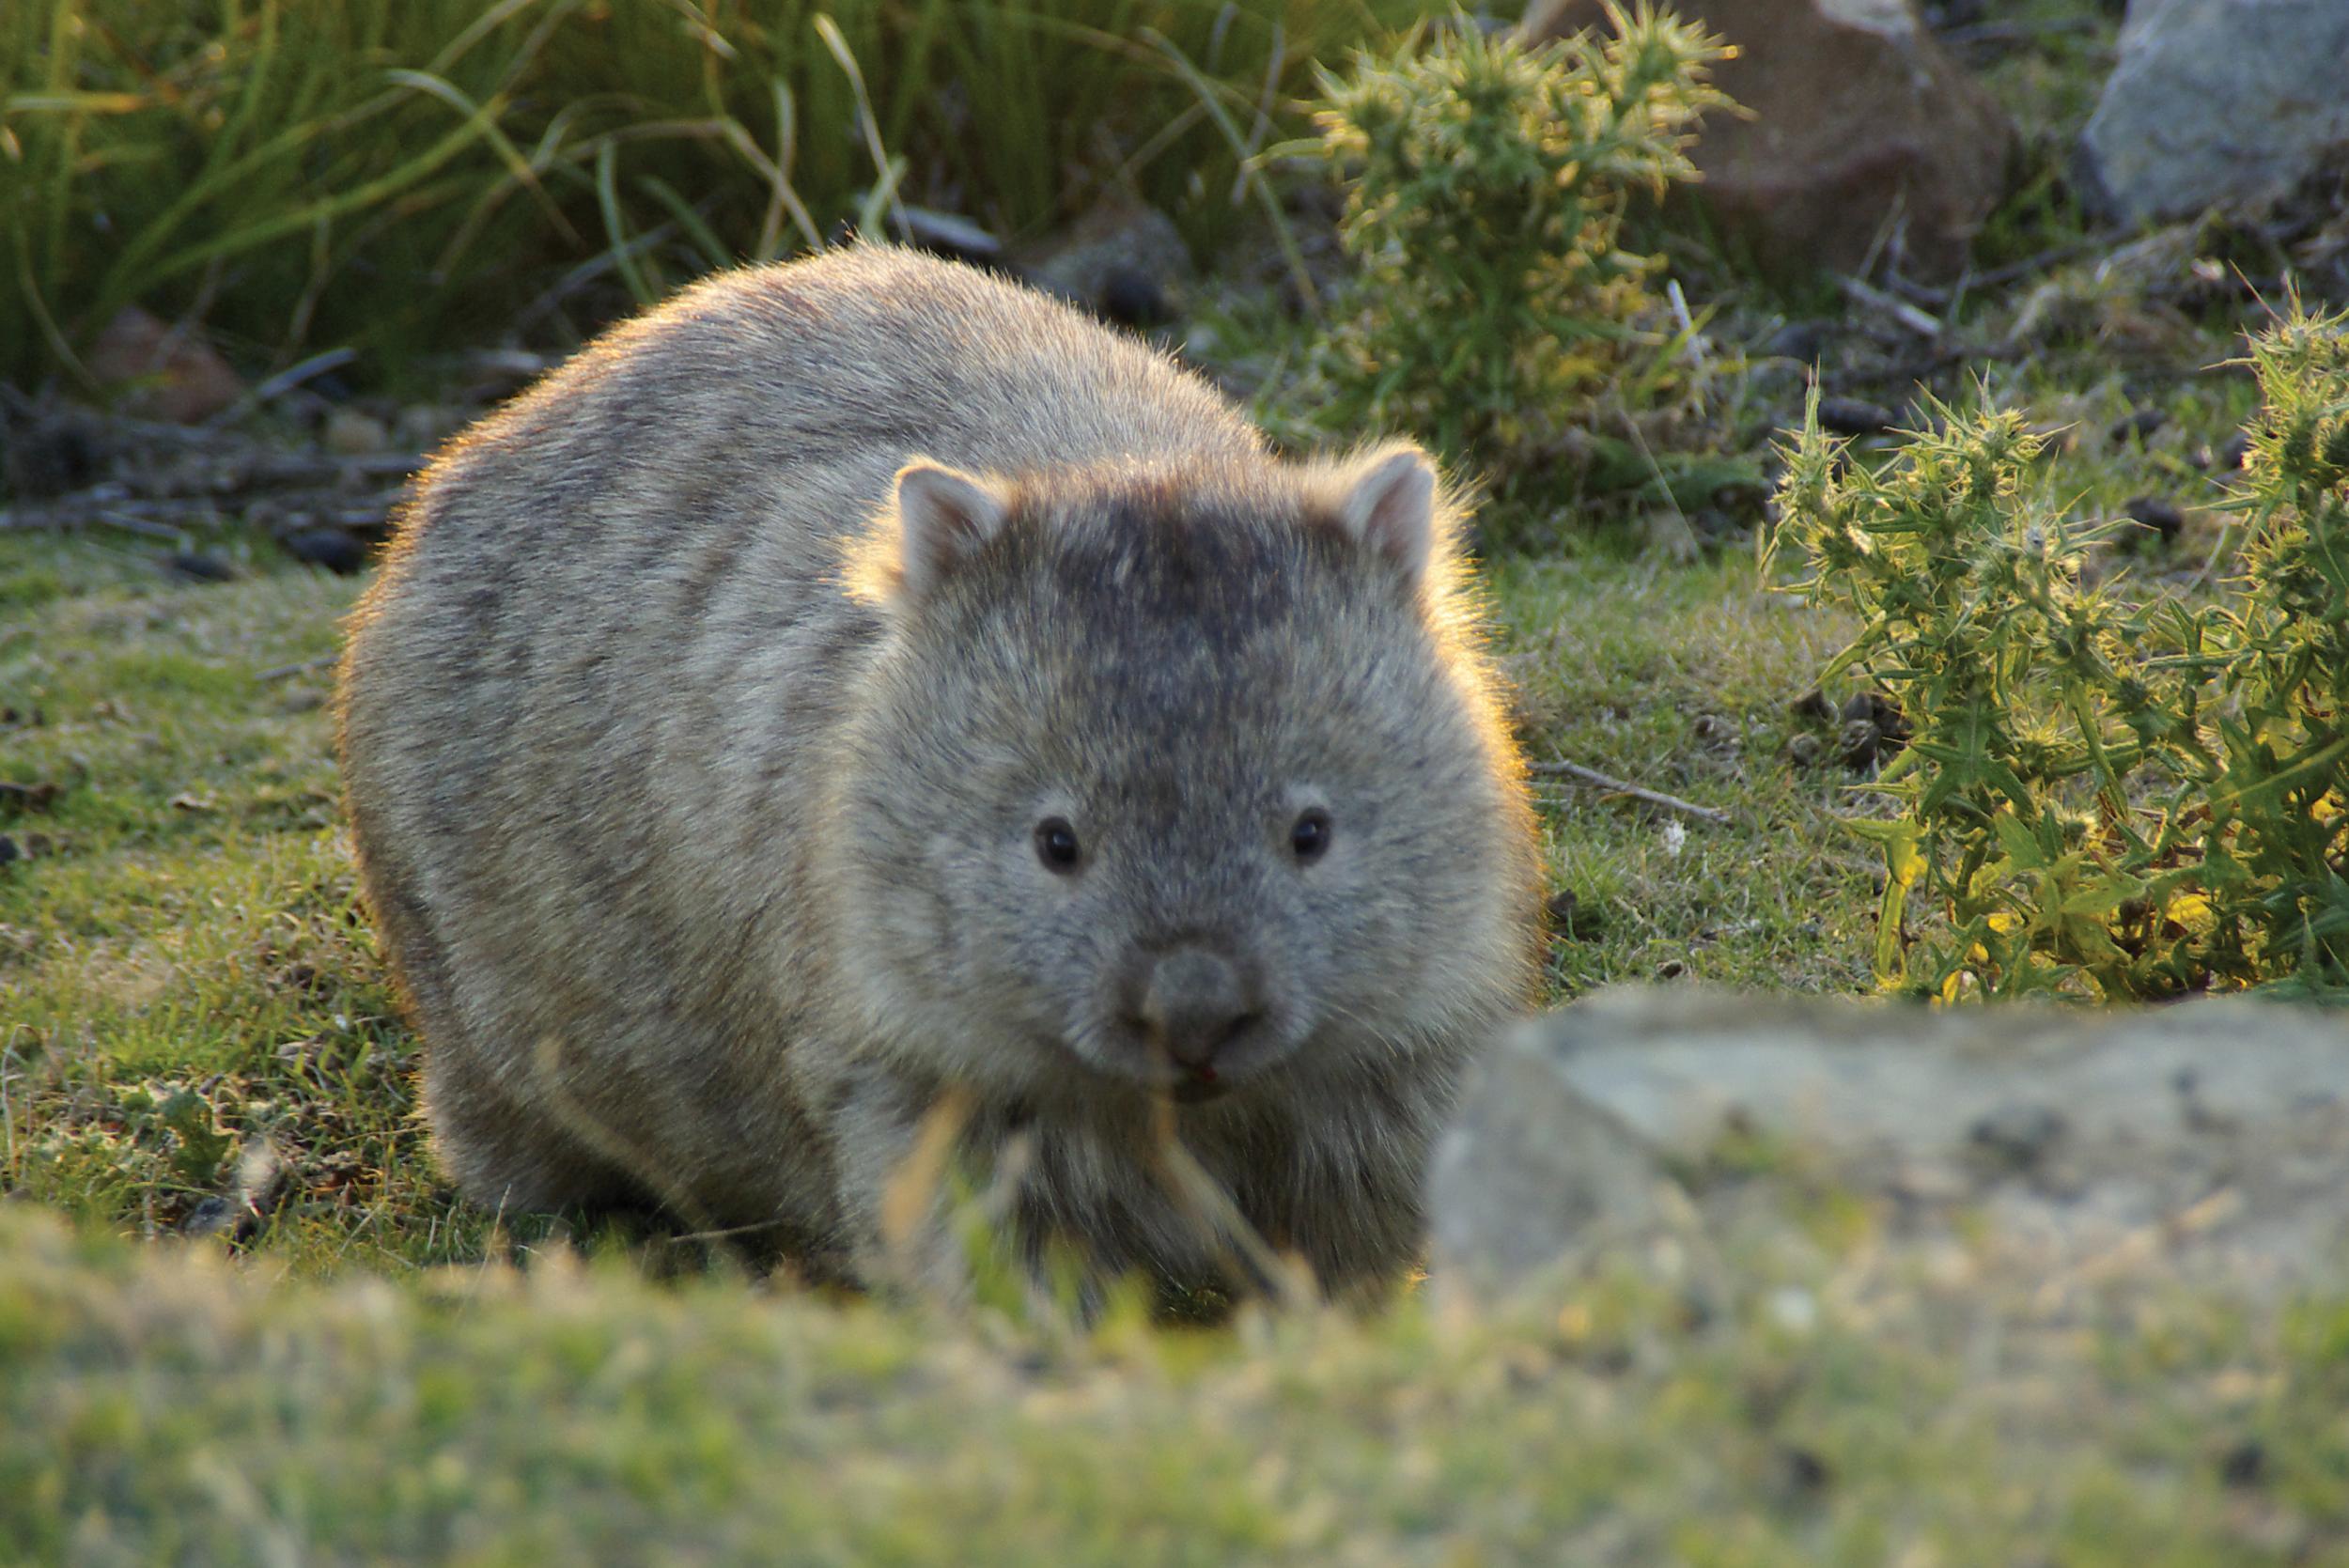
{"x": 1191, "y": 1001}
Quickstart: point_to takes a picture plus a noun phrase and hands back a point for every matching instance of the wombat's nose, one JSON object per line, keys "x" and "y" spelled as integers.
{"x": 1194, "y": 1003}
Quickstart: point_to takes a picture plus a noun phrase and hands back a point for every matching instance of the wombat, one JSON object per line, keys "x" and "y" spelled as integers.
{"x": 860, "y": 686}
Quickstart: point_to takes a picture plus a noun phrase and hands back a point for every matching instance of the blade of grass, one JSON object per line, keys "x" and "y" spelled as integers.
{"x": 885, "y": 170}
{"x": 1209, "y": 94}
{"x": 614, "y": 226}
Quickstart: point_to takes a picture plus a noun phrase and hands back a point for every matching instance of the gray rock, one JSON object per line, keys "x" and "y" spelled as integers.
{"x": 2213, "y": 1136}
{"x": 1536, "y": 1175}
{"x": 2218, "y": 101}
{"x": 1122, "y": 260}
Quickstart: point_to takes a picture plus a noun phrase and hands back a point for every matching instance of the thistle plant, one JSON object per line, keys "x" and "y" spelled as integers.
{"x": 2106, "y": 795}
{"x": 1497, "y": 299}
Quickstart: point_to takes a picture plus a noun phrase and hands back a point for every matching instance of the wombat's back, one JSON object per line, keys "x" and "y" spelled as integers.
{"x": 585, "y": 687}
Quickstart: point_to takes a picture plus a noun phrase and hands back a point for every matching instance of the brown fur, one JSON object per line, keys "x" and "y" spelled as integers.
{"x": 697, "y": 804}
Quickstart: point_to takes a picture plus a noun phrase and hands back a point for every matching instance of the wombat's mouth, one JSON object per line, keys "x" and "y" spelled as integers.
{"x": 1198, "y": 1089}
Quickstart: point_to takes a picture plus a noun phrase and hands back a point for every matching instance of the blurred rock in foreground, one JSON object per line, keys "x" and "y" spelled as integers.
{"x": 2208, "y": 1139}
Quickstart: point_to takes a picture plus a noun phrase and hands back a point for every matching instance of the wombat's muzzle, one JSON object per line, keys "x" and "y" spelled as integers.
{"x": 1192, "y": 1003}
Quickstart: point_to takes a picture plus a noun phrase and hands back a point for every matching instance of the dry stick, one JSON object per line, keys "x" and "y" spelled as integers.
{"x": 1216, "y": 1219}
{"x": 103, "y": 504}
{"x": 281, "y": 672}
{"x": 7, "y": 1117}
{"x": 1598, "y": 780}
{"x": 1921, "y": 323}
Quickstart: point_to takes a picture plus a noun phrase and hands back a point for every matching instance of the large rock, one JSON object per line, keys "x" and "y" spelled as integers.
{"x": 2217, "y": 102}
{"x": 161, "y": 372}
{"x": 1862, "y": 126}
{"x": 2211, "y": 1137}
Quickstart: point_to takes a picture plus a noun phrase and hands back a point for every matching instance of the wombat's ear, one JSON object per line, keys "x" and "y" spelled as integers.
{"x": 1387, "y": 500}
{"x": 943, "y": 513}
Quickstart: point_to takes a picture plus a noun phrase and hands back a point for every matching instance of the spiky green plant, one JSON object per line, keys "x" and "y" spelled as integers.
{"x": 2121, "y": 797}
{"x": 1498, "y": 303}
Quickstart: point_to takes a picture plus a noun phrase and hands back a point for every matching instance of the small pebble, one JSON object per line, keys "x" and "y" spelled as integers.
{"x": 1873, "y": 730}
{"x": 1879, "y": 711}
{"x": 1793, "y": 1309}
{"x": 354, "y": 434}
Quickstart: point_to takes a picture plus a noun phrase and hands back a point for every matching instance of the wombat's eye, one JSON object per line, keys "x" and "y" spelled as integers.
{"x": 1310, "y": 838}
{"x": 1056, "y": 844}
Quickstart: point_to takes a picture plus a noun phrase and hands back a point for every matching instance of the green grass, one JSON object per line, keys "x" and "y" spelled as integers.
{"x": 405, "y": 178}
{"x": 1779, "y": 1404}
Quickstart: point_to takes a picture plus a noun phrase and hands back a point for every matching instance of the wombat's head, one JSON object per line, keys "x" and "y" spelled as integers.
{"x": 1184, "y": 782}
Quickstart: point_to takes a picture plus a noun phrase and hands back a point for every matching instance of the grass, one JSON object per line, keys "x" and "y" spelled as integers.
{"x": 1785, "y": 1404}
{"x": 400, "y": 179}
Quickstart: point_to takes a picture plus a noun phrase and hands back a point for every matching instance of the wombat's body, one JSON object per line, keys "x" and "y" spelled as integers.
{"x": 728, "y": 799}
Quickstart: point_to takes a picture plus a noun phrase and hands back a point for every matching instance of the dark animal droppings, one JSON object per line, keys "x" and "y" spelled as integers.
{"x": 198, "y": 566}
{"x": 1854, "y": 416}
{"x": 331, "y": 548}
{"x": 2151, "y": 511}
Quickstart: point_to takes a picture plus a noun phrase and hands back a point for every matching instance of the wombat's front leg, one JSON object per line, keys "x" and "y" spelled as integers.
{"x": 507, "y": 1154}
{"x": 895, "y": 1144}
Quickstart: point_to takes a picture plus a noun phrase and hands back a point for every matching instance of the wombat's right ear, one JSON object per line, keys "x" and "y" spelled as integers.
{"x": 943, "y": 514}
{"x": 1387, "y": 500}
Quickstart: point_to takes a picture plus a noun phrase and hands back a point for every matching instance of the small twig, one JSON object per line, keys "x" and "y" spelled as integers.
{"x": 2020, "y": 31}
{"x": 1917, "y": 369}
{"x": 1914, "y": 292}
{"x": 1598, "y": 780}
{"x": 141, "y": 514}
{"x": 111, "y": 517}
{"x": 8, "y": 1116}
{"x": 1923, "y": 323}
{"x": 281, "y": 384}
{"x": 282, "y": 672}
{"x": 724, "y": 1232}
{"x": 2054, "y": 255}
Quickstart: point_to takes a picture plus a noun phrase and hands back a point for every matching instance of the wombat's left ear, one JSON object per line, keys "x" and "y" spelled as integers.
{"x": 943, "y": 514}
{"x": 1387, "y": 500}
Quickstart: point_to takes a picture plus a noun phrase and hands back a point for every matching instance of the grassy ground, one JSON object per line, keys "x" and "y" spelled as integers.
{"x": 1785, "y": 1405}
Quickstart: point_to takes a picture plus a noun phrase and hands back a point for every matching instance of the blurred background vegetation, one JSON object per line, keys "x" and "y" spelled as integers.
{"x": 399, "y": 176}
